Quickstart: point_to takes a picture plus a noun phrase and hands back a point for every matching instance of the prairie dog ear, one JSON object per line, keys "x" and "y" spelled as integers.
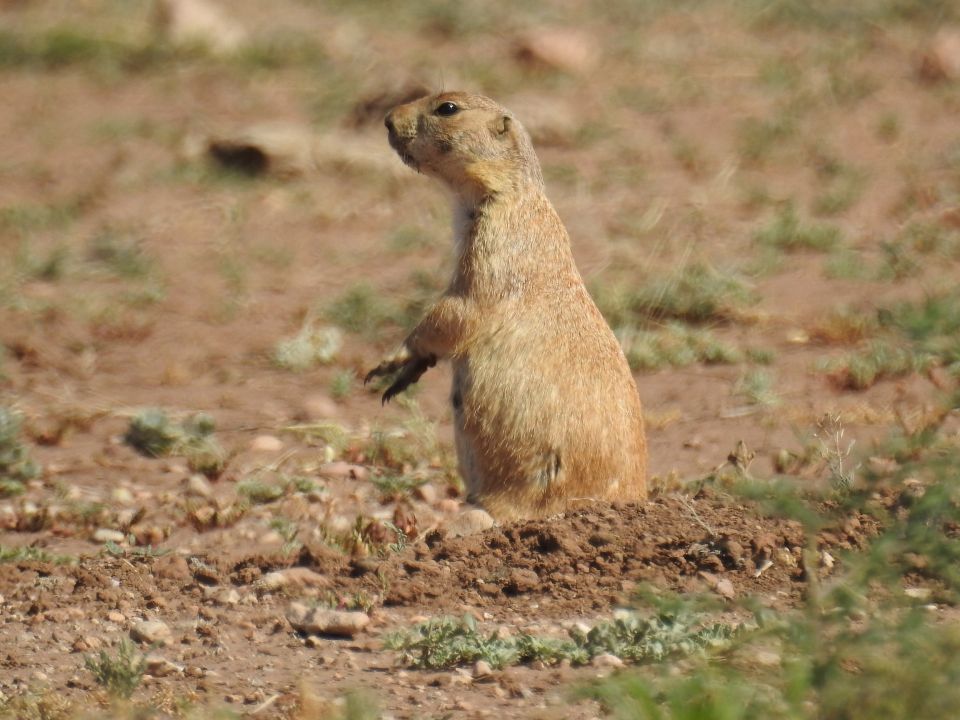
{"x": 501, "y": 125}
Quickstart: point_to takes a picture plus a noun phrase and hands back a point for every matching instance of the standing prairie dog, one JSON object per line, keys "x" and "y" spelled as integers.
{"x": 546, "y": 412}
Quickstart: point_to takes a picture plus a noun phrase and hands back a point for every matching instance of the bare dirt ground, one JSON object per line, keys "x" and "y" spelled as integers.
{"x": 135, "y": 273}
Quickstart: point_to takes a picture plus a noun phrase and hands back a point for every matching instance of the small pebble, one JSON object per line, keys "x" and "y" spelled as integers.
{"x": 266, "y": 443}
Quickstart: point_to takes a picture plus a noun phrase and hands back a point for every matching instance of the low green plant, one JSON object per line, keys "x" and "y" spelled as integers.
{"x": 148, "y": 551}
{"x": 16, "y": 465}
{"x": 39, "y": 704}
{"x": 758, "y": 138}
{"x": 408, "y": 238}
{"x": 60, "y": 47}
{"x": 342, "y": 384}
{"x": 696, "y": 292}
{"x": 36, "y": 554}
{"x": 335, "y": 436}
{"x": 931, "y": 325}
{"x": 394, "y": 487}
{"x": 841, "y": 191}
{"x": 288, "y": 530}
{"x": 119, "y": 254}
{"x": 847, "y": 263}
{"x": 786, "y": 232}
{"x": 260, "y": 492}
{"x": 880, "y": 360}
{"x": 756, "y": 387}
{"x": 310, "y": 347}
{"x": 360, "y": 310}
{"x": 676, "y": 345}
{"x": 447, "y": 642}
{"x": 898, "y": 668}
{"x": 281, "y": 51}
{"x": 905, "y": 338}
{"x": 154, "y": 434}
{"x": 120, "y": 675}
{"x": 49, "y": 267}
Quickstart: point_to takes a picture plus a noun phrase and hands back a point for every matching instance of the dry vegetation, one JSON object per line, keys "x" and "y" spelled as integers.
{"x": 202, "y": 247}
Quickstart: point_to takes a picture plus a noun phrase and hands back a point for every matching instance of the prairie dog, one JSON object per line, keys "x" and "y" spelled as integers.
{"x": 546, "y": 411}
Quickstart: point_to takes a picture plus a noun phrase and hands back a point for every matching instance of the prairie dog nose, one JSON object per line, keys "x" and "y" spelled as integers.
{"x": 388, "y": 121}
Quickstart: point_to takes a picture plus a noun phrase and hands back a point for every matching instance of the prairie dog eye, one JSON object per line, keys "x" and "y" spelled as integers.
{"x": 446, "y": 109}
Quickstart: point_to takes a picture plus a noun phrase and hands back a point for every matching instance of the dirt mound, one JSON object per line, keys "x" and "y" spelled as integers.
{"x": 582, "y": 562}
{"x": 577, "y": 564}
{"x": 591, "y": 559}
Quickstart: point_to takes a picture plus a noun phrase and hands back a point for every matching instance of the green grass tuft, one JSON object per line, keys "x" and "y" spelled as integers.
{"x": 676, "y": 345}
{"x": 16, "y": 465}
{"x": 259, "y": 492}
{"x": 787, "y": 233}
{"x": 154, "y": 434}
{"x": 121, "y": 675}
{"x": 696, "y": 293}
{"x": 448, "y": 642}
{"x": 33, "y": 554}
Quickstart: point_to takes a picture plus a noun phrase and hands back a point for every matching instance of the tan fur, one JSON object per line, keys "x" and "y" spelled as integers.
{"x": 546, "y": 412}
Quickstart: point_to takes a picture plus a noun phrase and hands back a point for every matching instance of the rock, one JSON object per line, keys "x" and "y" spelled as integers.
{"x": 733, "y": 549}
{"x": 292, "y": 577}
{"x": 221, "y": 595}
{"x": 281, "y": 149}
{"x": 482, "y": 669}
{"x": 122, "y": 495}
{"x": 709, "y": 578}
{"x": 161, "y": 667}
{"x": 116, "y": 617}
{"x": 341, "y": 470}
{"x": 826, "y": 560}
{"x": 917, "y": 593}
{"x": 448, "y": 506}
{"x": 318, "y": 407}
{"x": 521, "y": 581}
{"x": 940, "y": 60}
{"x": 197, "y": 21}
{"x": 86, "y": 643}
{"x": 105, "y": 535}
{"x": 425, "y": 493}
{"x": 724, "y": 588}
{"x": 405, "y": 520}
{"x": 172, "y": 567}
{"x": 198, "y": 486}
{"x": 556, "y": 49}
{"x": 766, "y": 658}
{"x": 606, "y": 660}
{"x": 321, "y": 621}
{"x": 271, "y": 537}
{"x": 266, "y": 443}
{"x": 147, "y": 534}
{"x": 470, "y": 522}
{"x": 154, "y": 632}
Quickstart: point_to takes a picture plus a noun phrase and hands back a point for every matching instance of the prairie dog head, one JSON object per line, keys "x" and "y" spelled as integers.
{"x": 469, "y": 142}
